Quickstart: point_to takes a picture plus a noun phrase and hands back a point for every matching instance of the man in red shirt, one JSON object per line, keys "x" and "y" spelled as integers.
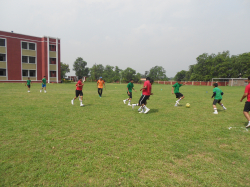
{"x": 79, "y": 93}
{"x": 247, "y": 104}
{"x": 146, "y": 92}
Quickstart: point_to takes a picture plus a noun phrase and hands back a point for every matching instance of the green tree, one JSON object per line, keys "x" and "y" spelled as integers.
{"x": 128, "y": 74}
{"x": 117, "y": 74}
{"x": 64, "y": 69}
{"x": 108, "y": 73}
{"x": 157, "y": 73}
{"x": 180, "y": 75}
{"x": 80, "y": 67}
{"x": 96, "y": 71}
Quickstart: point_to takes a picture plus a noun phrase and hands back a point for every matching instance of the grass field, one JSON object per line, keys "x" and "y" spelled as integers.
{"x": 46, "y": 141}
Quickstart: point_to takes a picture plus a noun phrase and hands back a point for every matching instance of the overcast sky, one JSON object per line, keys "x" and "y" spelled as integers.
{"x": 134, "y": 33}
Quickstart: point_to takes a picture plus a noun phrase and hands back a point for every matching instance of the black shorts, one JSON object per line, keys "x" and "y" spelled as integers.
{"x": 143, "y": 99}
{"x": 178, "y": 95}
{"x": 247, "y": 107}
{"x": 130, "y": 95}
{"x": 28, "y": 86}
{"x": 79, "y": 92}
{"x": 216, "y": 101}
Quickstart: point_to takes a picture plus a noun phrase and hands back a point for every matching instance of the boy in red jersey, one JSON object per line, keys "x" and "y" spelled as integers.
{"x": 146, "y": 92}
{"x": 247, "y": 104}
{"x": 79, "y": 93}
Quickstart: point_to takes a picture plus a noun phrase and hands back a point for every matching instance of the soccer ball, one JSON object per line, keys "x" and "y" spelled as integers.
{"x": 187, "y": 105}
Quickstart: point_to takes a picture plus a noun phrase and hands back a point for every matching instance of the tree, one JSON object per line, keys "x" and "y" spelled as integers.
{"x": 180, "y": 75}
{"x": 128, "y": 74}
{"x": 117, "y": 73}
{"x": 64, "y": 69}
{"x": 158, "y": 73}
{"x": 108, "y": 73}
{"x": 96, "y": 71}
{"x": 80, "y": 67}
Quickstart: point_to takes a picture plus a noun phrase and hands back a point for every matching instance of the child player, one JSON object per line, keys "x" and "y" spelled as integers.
{"x": 130, "y": 86}
{"x": 217, "y": 94}
{"x": 179, "y": 95}
{"x": 146, "y": 92}
{"x": 28, "y": 84}
{"x": 247, "y": 104}
{"x": 100, "y": 84}
{"x": 79, "y": 93}
{"x": 43, "y": 84}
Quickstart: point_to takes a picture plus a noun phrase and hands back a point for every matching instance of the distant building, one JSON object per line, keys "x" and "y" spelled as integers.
{"x": 23, "y": 56}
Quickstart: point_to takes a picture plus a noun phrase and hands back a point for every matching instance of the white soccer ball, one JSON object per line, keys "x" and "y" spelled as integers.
{"x": 187, "y": 105}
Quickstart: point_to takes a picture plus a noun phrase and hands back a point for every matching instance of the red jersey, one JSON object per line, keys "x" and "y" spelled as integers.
{"x": 79, "y": 87}
{"x": 247, "y": 90}
{"x": 146, "y": 91}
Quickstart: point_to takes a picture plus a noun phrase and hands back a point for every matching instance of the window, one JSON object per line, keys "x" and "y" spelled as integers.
{"x": 25, "y": 73}
{"x": 24, "y": 45}
{"x": 32, "y": 46}
{"x": 32, "y": 73}
{"x": 2, "y": 72}
{"x": 2, "y": 57}
{"x": 24, "y": 59}
{"x": 52, "y": 73}
{"x": 32, "y": 59}
{"x": 2, "y": 42}
{"x": 28, "y": 46}
{"x": 52, "y": 60}
{"x": 29, "y": 73}
{"x": 52, "y": 47}
{"x": 29, "y": 59}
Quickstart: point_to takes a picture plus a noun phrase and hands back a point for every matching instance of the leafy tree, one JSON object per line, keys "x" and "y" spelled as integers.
{"x": 137, "y": 77}
{"x": 80, "y": 67}
{"x": 108, "y": 73}
{"x": 96, "y": 71}
{"x": 157, "y": 73}
{"x": 180, "y": 75}
{"x": 117, "y": 74}
{"x": 128, "y": 74}
{"x": 64, "y": 69}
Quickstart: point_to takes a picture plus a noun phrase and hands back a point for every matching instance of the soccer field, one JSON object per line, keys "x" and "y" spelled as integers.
{"x": 46, "y": 141}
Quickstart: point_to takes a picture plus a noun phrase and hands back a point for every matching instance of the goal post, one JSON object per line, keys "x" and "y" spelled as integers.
{"x": 232, "y": 81}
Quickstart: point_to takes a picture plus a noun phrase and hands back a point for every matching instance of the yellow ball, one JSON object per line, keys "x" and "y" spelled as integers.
{"x": 187, "y": 105}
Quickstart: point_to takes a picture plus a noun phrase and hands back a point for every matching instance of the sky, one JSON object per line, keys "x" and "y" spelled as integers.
{"x": 139, "y": 34}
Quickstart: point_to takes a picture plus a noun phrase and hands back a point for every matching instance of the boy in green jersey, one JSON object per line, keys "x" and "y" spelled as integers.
{"x": 130, "y": 86}
{"x": 28, "y": 84}
{"x": 43, "y": 84}
{"x": 178, "y": 95}
{"x": 217, "y": 94}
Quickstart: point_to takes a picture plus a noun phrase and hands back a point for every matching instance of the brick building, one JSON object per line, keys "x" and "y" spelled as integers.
{"x": 23, "y": 56}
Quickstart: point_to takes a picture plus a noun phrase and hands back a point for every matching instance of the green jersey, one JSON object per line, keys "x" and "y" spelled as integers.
{"x": 217, "y": 92}
{"x": 44, "y": 81}
{"x": 28, "y": 82}
{"x": 176, "y": 87}
{"x": 130, "y": 86}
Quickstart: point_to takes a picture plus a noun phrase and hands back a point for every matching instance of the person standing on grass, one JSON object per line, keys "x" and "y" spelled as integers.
{"x": 79, "y": 93}
{"x": 217, "y": 94}
{"x": 28, "y": 84}
{"x": 130, "y": 86}
{"x": 247, "y": 104}
{"x": 176, "y": 88}
{"x": 146, "y": 92}
{"x": 43, "y": 84}
{"x": 100, "y": 84}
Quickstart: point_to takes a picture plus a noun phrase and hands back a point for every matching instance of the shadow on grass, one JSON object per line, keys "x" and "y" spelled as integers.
{"x": 153, "y": 111}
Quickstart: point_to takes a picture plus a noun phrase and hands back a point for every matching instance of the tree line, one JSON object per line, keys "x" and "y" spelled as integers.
{"x": 111, "y": 73}
{"x": 221, "y": 65}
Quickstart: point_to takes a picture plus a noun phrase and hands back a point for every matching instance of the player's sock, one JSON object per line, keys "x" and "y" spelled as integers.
{"x": 223, "y": 107}
{"x": 215, "y": 111}
{"x": 248, "y": 124}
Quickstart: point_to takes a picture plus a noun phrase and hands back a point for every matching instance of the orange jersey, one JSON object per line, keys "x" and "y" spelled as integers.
{"x": 100, "y": 83}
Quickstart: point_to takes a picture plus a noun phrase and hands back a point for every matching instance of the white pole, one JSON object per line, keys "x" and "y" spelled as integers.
{"x": 57, "y": 60}
{"x": 48, "y": 59}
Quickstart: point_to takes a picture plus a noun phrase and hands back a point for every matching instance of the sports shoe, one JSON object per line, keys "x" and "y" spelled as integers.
{"x": 177, "y": 102}
{"x": 133, "y": 106}
{"x": 142, "y": 111}
{"x": 72, "y": 102}
{"x": 224, "y": 108}
{"x": 215, "y": 112}
{"x": 82, "y": 105}
{"x": 129, "y": 104}
{"x": 248, "y": 125}
{"x": 45, "y": 92}
{"x": 40, "y": 91}
{"x": 139, "y": 109}
{"x": 147, "y": 110}
{"x": 124, "y": 101}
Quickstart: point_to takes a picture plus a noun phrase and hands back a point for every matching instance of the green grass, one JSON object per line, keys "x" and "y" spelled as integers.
{"x": 46, "y": 141}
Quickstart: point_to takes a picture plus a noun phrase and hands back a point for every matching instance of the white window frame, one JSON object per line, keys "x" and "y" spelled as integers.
{"x": 4, "y": 42}
{"x": 5, "y": 72}
{"x": 29, "y": 72}
{"x": 29, "y": 60}
{"x": 28, "y": 45}
{"x": 5, "y": 57}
